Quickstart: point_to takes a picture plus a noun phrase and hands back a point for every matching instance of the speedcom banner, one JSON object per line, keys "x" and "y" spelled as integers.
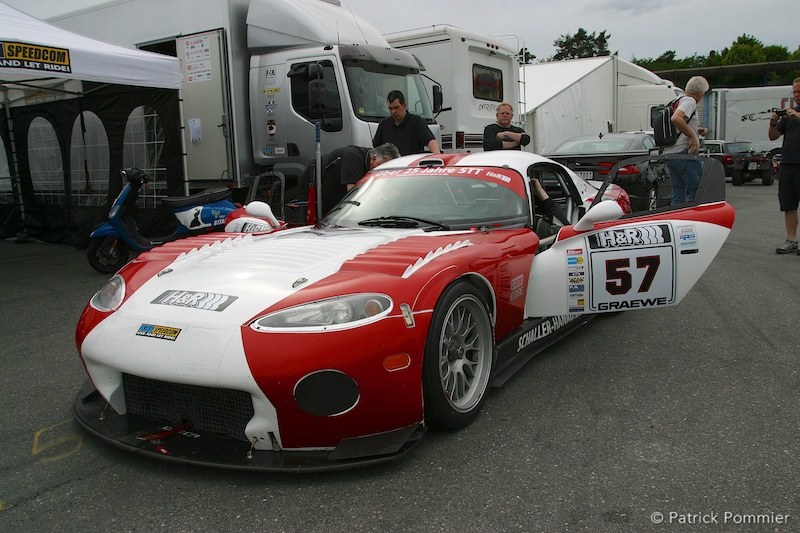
{"x": 34, "y": 57}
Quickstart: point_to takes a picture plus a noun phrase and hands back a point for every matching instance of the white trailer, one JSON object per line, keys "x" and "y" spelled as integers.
{"x": 593, "y": 95}
{"x": 260, "y": 74}
{"x": 742, "y": 114}
{"x": 475, "y": 73}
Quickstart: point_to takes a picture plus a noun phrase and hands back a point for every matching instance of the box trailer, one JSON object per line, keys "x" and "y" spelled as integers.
{"x": 742, "y": 114}
{"x": 592, "y": 95}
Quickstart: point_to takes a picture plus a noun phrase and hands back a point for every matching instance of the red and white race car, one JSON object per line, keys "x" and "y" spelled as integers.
{"x": 335, "y": 345}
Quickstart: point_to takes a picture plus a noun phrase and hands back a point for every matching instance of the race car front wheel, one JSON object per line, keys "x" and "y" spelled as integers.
{"x": 458, "y": 358}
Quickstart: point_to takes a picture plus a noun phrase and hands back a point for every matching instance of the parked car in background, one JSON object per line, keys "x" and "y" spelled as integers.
{"x": 743, "y": 162}
{"x": 592, "y": 156}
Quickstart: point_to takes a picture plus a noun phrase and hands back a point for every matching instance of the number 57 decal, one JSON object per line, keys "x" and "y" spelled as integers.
{"x": 632, "y": 278}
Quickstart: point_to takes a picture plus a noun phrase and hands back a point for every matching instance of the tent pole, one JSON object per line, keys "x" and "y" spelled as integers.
{"x": 16, "y": 185}
{"x": 184, "y": 155}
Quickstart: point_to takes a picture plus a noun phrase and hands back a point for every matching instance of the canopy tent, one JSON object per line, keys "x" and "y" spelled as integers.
{"x": 38, "y": 59}
{"x": 31, "y": 49}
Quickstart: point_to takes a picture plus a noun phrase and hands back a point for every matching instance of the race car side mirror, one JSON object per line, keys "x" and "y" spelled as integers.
{"x": 602, "y": 212}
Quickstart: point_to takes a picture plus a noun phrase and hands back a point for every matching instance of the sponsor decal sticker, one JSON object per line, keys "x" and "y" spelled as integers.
{"x": 207, "y": 301}
{"x": 517, "y": 287}
{"x": 546, "y": 327}
{"x": 158, "y": 332}
{"x": 629, "y": 237}
{"x": 576, "y": 283}
{"x": 687, "y": 238}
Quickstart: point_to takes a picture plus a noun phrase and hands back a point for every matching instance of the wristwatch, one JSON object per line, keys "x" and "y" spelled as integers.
{"x": 506, "y": 137}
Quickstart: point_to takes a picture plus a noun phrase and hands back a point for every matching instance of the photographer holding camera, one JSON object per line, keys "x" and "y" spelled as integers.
{"x": 786, "y": 122}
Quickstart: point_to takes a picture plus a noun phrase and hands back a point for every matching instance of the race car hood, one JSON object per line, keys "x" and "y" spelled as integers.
{"x": 237, "y": 278}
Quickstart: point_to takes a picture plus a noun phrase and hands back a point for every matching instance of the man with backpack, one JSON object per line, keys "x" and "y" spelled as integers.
{"x": 685, "y": 173}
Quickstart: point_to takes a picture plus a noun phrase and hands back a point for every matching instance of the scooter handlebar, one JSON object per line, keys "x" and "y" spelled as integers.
{"x": 135, "y": 175}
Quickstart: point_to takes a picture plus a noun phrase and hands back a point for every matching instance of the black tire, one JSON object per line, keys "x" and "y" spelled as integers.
{"x": 737, "y": 178}
{"x": 107, "y": 254}
{"x": 458, "y": 361}
{"x": 767, "y": 178}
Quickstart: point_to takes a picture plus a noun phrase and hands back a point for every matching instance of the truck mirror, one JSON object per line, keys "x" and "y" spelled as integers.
{"x": 316, "y": 98}
{"x": 315, "y": 72}
{"x": 438, "y": 98}
{"x": 307, "y": 72}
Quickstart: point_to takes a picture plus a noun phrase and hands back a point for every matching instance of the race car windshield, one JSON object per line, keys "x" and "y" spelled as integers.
{"x": 436, "y": 202}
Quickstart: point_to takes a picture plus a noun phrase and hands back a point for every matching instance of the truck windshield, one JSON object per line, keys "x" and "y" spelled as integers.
{"x": 370, "y": 83}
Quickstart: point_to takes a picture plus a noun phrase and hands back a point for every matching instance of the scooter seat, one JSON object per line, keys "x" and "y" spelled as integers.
{"x": 208, "y": 196}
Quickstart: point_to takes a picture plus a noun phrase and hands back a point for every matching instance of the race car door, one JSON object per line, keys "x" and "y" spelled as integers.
{"x": 645, "y": 259}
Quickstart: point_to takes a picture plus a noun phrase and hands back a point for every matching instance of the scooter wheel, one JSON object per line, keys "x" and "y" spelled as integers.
{"x": 107, "y": 254}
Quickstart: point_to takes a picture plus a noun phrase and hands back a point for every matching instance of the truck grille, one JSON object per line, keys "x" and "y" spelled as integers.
{"x": 218, "y": 410}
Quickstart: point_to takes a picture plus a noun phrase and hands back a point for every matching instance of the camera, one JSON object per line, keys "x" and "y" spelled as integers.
{"x": 780, "y": 112}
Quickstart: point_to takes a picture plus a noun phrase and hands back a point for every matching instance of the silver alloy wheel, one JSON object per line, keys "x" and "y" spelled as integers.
{"x": 465, "y": 353}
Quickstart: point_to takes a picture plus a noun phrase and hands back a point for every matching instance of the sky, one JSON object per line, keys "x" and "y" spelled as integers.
{"x": 638, "y": 29}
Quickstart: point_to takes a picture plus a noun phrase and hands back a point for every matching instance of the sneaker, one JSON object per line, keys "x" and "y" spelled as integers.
{"x": 789, "y": 247}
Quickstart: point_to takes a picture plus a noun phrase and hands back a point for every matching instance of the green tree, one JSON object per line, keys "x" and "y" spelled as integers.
{"x": 745, "y": 49}
{"x": 775, "y": 52}
{"x": 582, "y": 44}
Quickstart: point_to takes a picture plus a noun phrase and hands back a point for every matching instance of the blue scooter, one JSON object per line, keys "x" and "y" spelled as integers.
{"x": 112, "y": 241}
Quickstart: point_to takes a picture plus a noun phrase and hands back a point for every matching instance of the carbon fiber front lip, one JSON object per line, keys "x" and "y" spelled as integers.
{"x": 199, "y": 448}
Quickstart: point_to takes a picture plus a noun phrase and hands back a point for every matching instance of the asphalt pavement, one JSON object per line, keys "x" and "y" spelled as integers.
{"x": 680, "y": 419}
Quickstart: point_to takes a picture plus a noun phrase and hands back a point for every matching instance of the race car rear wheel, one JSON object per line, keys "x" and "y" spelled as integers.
{"x": 458, "y": 358}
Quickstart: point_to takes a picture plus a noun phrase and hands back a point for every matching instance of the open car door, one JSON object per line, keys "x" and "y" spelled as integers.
{"x": 646, "y": 259}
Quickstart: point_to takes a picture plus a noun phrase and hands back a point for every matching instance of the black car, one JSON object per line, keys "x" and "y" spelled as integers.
{"x": 592, "y": 156}
{"x": 743, "y": 162}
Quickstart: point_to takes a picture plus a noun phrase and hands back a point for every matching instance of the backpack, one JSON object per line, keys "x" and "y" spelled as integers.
{"x": 664, "y": 131}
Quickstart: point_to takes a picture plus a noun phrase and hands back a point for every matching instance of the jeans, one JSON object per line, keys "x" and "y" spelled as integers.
{"x": 684, "y": 176}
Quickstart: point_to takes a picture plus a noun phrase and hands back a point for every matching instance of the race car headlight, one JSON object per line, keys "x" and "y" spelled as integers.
{"x": 110, "y": 296}
{"x": 341, "y": 312}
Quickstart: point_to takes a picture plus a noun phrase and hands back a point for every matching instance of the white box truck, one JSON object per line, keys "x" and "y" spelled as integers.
{"x": 742, "y": 114}
{"x": 589, "y": 96}
{"x": 259, "y": 75}
{"x": 476, "y": 73}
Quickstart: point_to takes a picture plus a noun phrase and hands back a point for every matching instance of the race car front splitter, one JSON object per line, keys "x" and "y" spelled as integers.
{"x": 180, "y": 442}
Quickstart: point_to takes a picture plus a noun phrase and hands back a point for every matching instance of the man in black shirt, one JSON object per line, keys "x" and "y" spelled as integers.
{"x": 788, "y": 125}
{"x": 502, "y": 135}
{"x": 405, "y": 130}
